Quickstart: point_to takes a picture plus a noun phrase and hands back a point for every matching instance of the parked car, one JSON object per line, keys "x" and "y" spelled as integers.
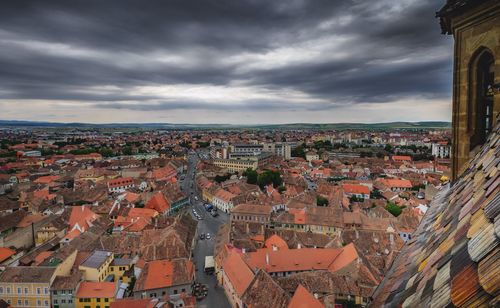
{"x": 208, "y": 236}
{"x": 202, "y": 236}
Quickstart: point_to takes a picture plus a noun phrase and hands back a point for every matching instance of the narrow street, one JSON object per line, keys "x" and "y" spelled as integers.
{"x": 205, "y": 247}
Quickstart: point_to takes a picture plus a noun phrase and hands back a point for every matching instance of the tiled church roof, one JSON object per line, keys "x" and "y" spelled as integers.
{"x": 454, "y": 257}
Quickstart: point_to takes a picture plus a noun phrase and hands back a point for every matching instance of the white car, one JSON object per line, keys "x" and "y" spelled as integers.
{"x": 208, "y": 236}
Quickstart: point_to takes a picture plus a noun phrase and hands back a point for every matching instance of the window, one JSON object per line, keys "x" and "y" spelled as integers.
{"x": 1, "y": 290}
{"x": 54, "y": 292}
{"x": 26, "y": 302}
{"x": 480, "y": 113}
{"x": 19, "y": 302}
{"x": 63, "y": 291}
{"x": 38, "y": 302}
{"x": 98, "y": 300}
{"x": 26, "y": 290}
{"x": 8, "y": 290}
{"x": 63, "y": 301}
{"x": 19, "y": 290}
{"x": 46, "y": 290}
{"x": 38, "y": 291}
{"x": 46, "y": 302}
{"x": 70, "y": 301}
{"x": 106, "y": 300}
{"x": 175, "y": 291}
{"x": 55, "y": 301}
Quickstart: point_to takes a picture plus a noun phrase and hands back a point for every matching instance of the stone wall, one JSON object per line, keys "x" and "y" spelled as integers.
{"x": 476, "y": 30}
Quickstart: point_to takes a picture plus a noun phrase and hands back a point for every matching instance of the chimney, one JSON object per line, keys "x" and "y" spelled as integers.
{"x": 275, "y": 248}
{"x": 267, "y": 258}
{"x": 357, "y": 234}
{"x": 299, "y": 246}
{"x": 243, "y": 250}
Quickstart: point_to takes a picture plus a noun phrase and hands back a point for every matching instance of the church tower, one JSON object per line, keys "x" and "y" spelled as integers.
{"x": 475, "y": 26}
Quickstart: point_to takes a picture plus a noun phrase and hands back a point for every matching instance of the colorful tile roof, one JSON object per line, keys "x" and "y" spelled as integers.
{"x": 454, "y": 256}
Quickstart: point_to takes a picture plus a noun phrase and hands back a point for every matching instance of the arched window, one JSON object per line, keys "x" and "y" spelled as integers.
{"x": 480, "y": 113}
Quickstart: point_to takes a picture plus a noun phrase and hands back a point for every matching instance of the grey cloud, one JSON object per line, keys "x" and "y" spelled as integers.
{"x": 207, "y": 33}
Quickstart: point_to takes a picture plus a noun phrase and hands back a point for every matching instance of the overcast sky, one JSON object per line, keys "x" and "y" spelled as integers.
{"x": 224, "y": 61}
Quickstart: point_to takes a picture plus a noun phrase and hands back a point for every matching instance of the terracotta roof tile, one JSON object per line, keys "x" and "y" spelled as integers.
{"x": 303, "y": 299}
{"x": 89, "y": 289}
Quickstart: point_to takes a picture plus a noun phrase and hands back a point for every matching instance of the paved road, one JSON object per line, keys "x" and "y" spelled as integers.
{"x": 216, "y": 297}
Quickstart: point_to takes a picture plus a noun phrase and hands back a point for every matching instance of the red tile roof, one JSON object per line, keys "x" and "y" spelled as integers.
{"x": 165, "y": 273}
{"x": 396, "y": 183}
{"x": 120, "y": 182}
{"x": 304, "y": 259}
{"x": 303, "y": 299}
{"x": 89, "y": 289}
{"x": 46, "y": 179}
{"x": 356, "y": 189}
{"x": 81, "y": 216}
{"x": 401, "y": 158}
{"x": 276, "y": 241}
{"x": 237, "y": 272}
{"x": 158, "y": 202}
{"x": 6, "y": 253}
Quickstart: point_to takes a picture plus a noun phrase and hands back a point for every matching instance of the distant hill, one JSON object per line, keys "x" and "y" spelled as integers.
{"x": 291, "y": 126}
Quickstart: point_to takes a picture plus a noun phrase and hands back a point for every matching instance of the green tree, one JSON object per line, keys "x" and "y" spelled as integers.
{"x": 222, "y": 178}
{"x": 106, "y": 152}
{"x": 127, "y": 150}
{"x": 299, "y": 151}
{"x": 376, "y": 194}
{"x": 281, "y": 189}
{"x": 269, "y": 177}
{"x": 251, "y": 176}
{"x": 393, "y": 209}
{"x": 321, "y": 201}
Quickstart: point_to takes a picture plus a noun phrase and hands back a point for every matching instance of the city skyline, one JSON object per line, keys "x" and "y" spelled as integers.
{"x": 233, "y": 63}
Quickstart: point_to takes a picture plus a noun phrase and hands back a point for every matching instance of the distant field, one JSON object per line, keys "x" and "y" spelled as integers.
{"x": 292, "y": 126}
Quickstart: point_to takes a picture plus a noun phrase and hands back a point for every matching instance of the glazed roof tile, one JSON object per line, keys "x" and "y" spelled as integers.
{"x": 454, "y": 255}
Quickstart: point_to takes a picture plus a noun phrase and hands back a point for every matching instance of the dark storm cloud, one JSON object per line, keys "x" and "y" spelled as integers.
{"x": 100, "y": 51}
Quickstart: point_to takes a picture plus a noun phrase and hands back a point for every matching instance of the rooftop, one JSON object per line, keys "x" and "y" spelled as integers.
{"x": 89, "y": 289}
{"x": 27, "y": 274}
{"x": 96, "y": 259}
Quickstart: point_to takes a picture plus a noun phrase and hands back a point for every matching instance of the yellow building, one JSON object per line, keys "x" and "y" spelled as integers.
{"x": 56, "y": 227}
{"x": 97, "y": 266}
{"x": 25, "y": 286}
{"x": 236, "y": 165}
{"x": 95, "y": 294}
{"x": 121, "y": 269}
